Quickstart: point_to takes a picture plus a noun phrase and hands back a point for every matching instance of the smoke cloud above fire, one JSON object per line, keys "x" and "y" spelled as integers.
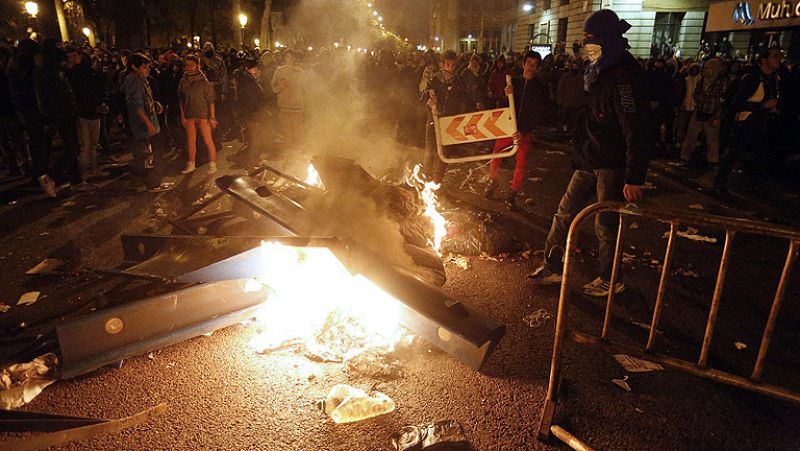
{"x": 345, "y": 118}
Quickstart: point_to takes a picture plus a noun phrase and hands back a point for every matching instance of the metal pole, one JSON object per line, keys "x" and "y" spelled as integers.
{"x": 712, "y": 314}
{"x": 662, "y": 285}
{"x": 614, "y": 275}
{"x": 791, "y": 257}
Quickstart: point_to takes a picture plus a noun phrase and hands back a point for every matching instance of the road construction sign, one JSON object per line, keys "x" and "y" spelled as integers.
{"x": 477, "y": 126}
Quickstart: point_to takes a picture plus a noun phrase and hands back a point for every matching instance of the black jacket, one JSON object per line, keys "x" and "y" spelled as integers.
{"x": 250, "y": 95}
{"x": 613, "y": 134}
{"x": 530, "y": 99}
{"x": 88, "y": 88}
{"x": 452, "y": 98}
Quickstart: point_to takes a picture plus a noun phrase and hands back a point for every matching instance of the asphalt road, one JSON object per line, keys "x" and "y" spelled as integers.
{"x": 221, "y": 395}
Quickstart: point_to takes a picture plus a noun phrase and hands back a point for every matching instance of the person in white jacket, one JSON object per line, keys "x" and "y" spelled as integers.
{"x": 288, "y": 85}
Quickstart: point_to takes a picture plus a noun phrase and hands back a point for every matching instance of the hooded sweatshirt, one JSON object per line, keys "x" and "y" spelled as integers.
{"x": 196, "y": 95}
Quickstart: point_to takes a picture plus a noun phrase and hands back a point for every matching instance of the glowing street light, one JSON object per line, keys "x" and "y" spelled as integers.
{"x": 86, "y": 31}
{"x": 436, "y": 39}
{"x": 32, "y": 8}
{"x": 257, "y": 42}
{"x": 278, "y": 44}
{"x": 374, "y": 13}
{"x": 310, "y": 48}
{"x": 369, "y": 5}
{"x": 527, "y": 7}
{"x": 243, "y": 23}
{"x": 380, "y": 18}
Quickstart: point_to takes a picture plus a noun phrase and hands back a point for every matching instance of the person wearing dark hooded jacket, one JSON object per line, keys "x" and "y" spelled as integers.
{"x": 21, "y": 87}
{"x": 610, "y": 156}
{"x": 58, "y": 107}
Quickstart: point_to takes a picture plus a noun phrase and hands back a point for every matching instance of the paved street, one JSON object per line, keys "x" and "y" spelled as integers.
{"x": 221, "y": 395}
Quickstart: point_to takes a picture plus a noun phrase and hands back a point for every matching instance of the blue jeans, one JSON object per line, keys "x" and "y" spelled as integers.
{"x": 607, "y": 184}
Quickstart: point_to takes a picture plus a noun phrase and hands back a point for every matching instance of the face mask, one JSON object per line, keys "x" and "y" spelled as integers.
{"x": 593, "y": 52}
{"x": 209, "y": 53}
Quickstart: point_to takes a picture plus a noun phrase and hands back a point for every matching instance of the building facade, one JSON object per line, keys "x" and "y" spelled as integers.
{"x": 658, "y": 26}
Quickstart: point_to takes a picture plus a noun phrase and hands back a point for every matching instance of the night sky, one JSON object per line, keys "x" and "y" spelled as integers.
{"x": 407, "y": 18}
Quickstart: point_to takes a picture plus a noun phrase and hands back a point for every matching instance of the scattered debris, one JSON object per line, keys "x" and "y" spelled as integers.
{"x": 621, "y": 383}
{"x": 555, "y": 152}
{"x": 12, "y": 203}
{"x": 29, "y": 298}
{"x": 446, "y": 434}
{"x": 460, "y": 261}
{"x": 48, "y": 266}
{"x": 346, "y": 404}
{"x": 21, "y": 382}
{"x": 696, "y": 207}
{"x": 376, "y": 363}
{"x": 4, "y": 307}
{"x": 537, "y": 318}
{"x": 740, "y": 346}
{"x": 686, "y": 273}
{"x": 634, "y": 365}
{"x": 69, "y": 203}
{"x": 529, "y": 201}
{"x": 634, "y": 225}
{"x": 89, "y": 207}
{"x": 535, "y": 179}
{"x": 691, "y": 234}
{"x": 44, "y": 234}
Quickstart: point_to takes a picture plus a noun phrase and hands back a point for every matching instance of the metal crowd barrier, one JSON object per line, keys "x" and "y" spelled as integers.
{"x": 700, "y": 368}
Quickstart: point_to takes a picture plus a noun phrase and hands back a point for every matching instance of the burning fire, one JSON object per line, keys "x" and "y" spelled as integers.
{"x": 312, "y": 299}
{"x": 427, "y": 192}
{"x": 312, "y": 177}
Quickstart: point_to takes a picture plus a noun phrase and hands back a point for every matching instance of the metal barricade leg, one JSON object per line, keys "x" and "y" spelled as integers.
{"x": 712, "y": 313}
{"x": 791, "y": 258}
{"x": 662, "y": 285}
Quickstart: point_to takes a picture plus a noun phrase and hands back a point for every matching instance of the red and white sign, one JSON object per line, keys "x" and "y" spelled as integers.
{"x": 477, "y": 126}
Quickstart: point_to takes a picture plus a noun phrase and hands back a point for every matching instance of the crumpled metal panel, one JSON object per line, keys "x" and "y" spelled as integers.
{"x": 110, "y": 335}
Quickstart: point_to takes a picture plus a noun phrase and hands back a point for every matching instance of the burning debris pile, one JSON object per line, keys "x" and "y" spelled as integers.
{"x": 392, "y": 220}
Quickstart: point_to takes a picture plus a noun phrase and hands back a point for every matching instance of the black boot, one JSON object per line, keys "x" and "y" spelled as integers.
{"x": 490, "y": 189}
{"x": 511, "y": 200}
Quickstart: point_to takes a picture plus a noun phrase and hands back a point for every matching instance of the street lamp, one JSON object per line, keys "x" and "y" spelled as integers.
{"x": 527, "y": 7}
{"x": 243, "y": 23}
{"x": 32, "y": 8}
{"x": 257, "y": 42}
{"x": 86, "y": 31}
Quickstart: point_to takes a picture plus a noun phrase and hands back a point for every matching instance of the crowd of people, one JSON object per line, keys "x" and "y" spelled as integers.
{"x": 164, "y": 98}
{"x": 618, "y": 111}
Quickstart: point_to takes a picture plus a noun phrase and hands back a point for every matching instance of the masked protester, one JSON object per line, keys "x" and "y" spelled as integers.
{"x": 448, "y": 95}
{"x": 610, "y": 155}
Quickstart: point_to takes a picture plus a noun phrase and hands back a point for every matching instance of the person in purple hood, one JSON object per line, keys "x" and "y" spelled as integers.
{"x": 610, "y": 156}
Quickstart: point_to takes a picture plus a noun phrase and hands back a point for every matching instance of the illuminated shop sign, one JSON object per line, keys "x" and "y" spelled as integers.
{"x": 735, "y": 16}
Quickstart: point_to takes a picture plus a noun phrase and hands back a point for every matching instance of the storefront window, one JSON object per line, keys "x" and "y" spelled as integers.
{"x": 666, "y": 31}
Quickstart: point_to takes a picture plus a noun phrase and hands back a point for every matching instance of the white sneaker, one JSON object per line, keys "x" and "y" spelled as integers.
{"x": 189, "y": 168}
{"x": 212, "y": 168}
{"x": 599, "y": 288}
